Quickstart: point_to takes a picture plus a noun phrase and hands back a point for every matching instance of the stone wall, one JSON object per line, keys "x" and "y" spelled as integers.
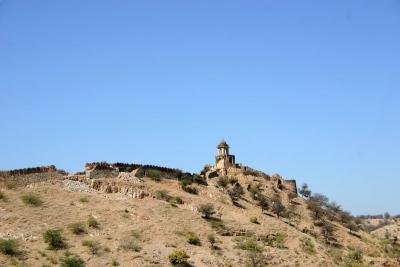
{"x": 25, "y": 171}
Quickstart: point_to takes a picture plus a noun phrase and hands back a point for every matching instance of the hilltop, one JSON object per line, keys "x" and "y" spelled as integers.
{"x": 117, "y": 214}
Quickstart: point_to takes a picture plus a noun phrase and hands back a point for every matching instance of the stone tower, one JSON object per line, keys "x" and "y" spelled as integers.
{"x": 223, "y": 160}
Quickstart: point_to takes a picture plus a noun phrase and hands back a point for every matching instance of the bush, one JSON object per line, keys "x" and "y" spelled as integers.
{"x": 162, "y": 195}
{"x": 77, "y": 228}
{"x": 212, "y": 240}
{"x": 207, "y": 210}
{"x": 278, "y": 208}
{"x": 354, "y": 258}
{"x": 190, "y": 189}
{"x": 93, "y": 246}
{"x": 248, "y": 244}
{"x": 9, "y": 247}
{"x": 72, "y": 261}
{"x": 2, "y": 196}
{"x": 276, "y": 241}
{"x": 307, "y": 246}
{"x": 154, "y": 175}
{"x": 176, "y": 201}
{"x": 255, "y": 259}
{"x": 31, "y": 199}
{"x": 114, "y": 262}
{"x": 186, "y": 182}
{"x": 84, "y": 199}
{"x": 54, "y": 239}
{"x": 130, "y": 244}
{"x": 199, "y": 180}
{"x": 223, "y": 181}
{"x": 254, "y": 220}
{"x": 254, "y": 190}
{"x": 236, "y": 192}
{"x": 193, "y": 239}
{"x": 263, "y": 202}
{"x": 178, "y": 258}
{"x": 92, "y": 222}
{"x": 328, "y": 231}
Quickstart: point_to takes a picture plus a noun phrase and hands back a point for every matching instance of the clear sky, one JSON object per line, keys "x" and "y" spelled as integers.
{"x": 306, "y": 89}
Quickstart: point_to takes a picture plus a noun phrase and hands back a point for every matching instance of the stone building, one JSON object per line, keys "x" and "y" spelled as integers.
{"x": 223, "y": 160}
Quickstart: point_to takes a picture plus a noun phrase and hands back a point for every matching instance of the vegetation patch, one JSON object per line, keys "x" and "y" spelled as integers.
{"x": 178, "y": 258}
{"x": 77, "y": 228}
{"x": 31, "y": 199}
{"x": 9, "y": 246}
{"x": 84, "y": 199}
{"x": 190, "y": 189}
{"x": 3, "y": 197}
{"x": 92, "y": 222}
{"x": 207, "y": 210}
{"x": 307, "y": 246}
{"x": 54, "y": 238}
{"x": 154, "y": 175}
{"x": 193, "y": 239}
{"x": 93, "y": 246}
{"x": 254, "y": 220}
{"x": 130, "y": 244}
{"x": 277, "y": 240}
{"x": 248, "y": 244}
{"x": 72, "y": 261}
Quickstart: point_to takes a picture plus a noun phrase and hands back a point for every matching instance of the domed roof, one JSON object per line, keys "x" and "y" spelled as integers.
{"x": 223, "y": 144}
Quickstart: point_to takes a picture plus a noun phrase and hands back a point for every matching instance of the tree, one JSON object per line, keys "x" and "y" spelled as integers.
{"x": 305, "y": 191}
{"x": 321, "y": 200}
{"x": 263, "y": 202}
{"x": 278, "y": 208}
{"x": 236, "y": 192}
{"x": 207, "y": 210}
{"x": 386, "y": 216}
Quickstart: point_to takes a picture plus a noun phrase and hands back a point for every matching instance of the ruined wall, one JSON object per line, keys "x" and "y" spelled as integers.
{"x": 290, "y": 185}
{"x": 25, "y": 171}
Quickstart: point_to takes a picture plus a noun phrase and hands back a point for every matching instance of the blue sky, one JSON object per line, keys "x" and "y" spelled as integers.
{"x": 307, "y": 89}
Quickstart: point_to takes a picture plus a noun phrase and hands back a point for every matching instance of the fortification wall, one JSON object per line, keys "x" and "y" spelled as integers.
{"x": 25, "y": 171}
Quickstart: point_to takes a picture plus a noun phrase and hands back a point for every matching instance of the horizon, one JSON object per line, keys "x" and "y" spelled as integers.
{"x": 307, "y": 90}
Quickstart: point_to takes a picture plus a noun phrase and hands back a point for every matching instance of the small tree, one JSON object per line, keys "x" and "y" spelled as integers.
{"x": 263, "y": 202}
{"x": 328, "y": 231}
{"x": 278, "y": 208}
{"x": 207, "y": 210}
{"x": 305, "y": 191}
{"x": 386, "y": 216}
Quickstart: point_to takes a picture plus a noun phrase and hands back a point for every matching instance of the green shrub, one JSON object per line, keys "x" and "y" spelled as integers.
{"x": 176, "y": 201}
{"x": 207, "y": 210}
{"x": 307, "y": 246}
{"x": 130, "y": 244}
{"x": 192, "y": 239}
{"x": 355, "y": 259}
{"x": 77, "y": 228}
{"x": 84, "y": 199}
{"x": 31, "y": 199}
{"x": 9, "y": 247}
{"x": 54, "y": 238}
{"x": 178, "y": 258}
{"x": 93, "y": 246}
{"x": 233, "y": 180}
{"x": 72, "y": 261}
{"x": 223, "y": 181}
{"x": 276, "y": 241}
{"x": 249, "y": 244}
{"x": 254, "y": 220}
{"x": 162, "y": 195}
{"x": 92, "y": 222}
{"x": 186, "y": 182}
{"x": 154, "y": 175}
{"x": 2, "y": 196}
